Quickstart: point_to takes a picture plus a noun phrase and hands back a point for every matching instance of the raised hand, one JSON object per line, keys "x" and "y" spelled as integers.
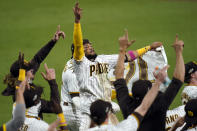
{"x": 154, "y": 45}
{"x": 178, "y": 44}
{"x": 50, "y": 73}
{"x": 161, "y": 75}
{"x": 21, "y": 60}
{"x": 77, "y": 12}
{"x": 58, "y": 34}
{"x": 124, "y": 42}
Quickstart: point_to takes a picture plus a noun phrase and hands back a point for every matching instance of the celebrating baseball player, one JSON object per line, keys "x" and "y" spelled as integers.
{"x": 100, "y": 110}
{"x": 155, "y": 118}
{"x": 36, "y": 106}
{"x": 19, "y": 113}
{"x": 189, "y": 92}
{"x": 91, "y": 70}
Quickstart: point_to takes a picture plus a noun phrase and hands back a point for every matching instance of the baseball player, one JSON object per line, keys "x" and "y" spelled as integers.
{"x": 92, "y": 69}
{"x": 189, "y": 92}
{"x": 155, "y": 118}
{"x": 70, "y": 97}
{"x": 100, "y": 110}
{"x": 189, "y": 121}
{"x": 19, "y": 113}
{"x": 33, "y": 95}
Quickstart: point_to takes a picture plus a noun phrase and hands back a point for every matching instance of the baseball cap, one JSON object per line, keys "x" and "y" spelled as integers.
{"x": 191, "y": 111}
{"x": 14, "y": 69}
{"x": 190, "y": 68}
{"x": 140, "y": 88}
{"x": 99, "y": 110}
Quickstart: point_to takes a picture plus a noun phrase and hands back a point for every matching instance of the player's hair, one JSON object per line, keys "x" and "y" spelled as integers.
{"x": 99, "y": 111}
{"x": 11, "y": 83}
{"x": 140, "y": 88}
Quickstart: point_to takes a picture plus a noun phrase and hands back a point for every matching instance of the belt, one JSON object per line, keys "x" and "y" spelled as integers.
{"x": 38, "y": 118}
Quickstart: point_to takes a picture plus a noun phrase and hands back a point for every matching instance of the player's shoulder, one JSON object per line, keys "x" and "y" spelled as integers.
{"x": 189, "y": 87}
{"x": 108, "y": 127}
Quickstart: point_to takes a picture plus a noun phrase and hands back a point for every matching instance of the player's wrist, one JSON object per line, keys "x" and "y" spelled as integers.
{"x": 122, "y": 50}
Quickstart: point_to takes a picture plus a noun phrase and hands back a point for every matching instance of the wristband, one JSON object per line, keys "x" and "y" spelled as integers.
{"x": 62, "y": 120}
{"x": 4, "y": 127}
{"x": 143, "y": 50}
{"x": 131, "y": 55}
{"x": 21, "y": 75}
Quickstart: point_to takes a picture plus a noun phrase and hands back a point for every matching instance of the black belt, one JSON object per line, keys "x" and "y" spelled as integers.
{"x": 74, "y": 94}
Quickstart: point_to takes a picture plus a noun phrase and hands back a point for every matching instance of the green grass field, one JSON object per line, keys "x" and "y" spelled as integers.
{"x": 28, "y": 25}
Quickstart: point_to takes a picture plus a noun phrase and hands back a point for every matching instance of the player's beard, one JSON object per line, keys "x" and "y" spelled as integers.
{"x": 91, "y": 57}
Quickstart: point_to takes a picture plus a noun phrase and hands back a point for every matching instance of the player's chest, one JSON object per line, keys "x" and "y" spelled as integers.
{"x": 97, "y": 68}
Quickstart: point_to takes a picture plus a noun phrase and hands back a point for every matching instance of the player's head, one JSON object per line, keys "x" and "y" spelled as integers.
{"x": 140, "y": 88}
{"x": 12, "y": 78}
{"x": 191, "y": 112}
{"x": 188, "y": 93}
{"x": 88, "y": 49}
{"x": 190, "y": 72}
{"x": 99, "y": 111}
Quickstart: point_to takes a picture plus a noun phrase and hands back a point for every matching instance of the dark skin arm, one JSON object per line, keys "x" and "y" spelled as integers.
{"x": 52, "y": 106}
{"x": 44, "y": 51}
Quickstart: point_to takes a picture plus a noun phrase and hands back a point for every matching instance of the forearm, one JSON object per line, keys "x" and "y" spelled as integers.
{"x": 119, "y": 70}
{"x": 124, "y": 100}
{"x": 179, "y": 71}
{"x": 19, "y": 98}
{"x": 78, "y": 42}
{"x": 55, "y": 96}
{"x": 41, "y": 55}
{"x": 171, "y": 92}
{"x": 76, "y": 101}
{"x": 148, "y": 99}
{"x": 18, "y": 118}
{"x": 132, "y": 55}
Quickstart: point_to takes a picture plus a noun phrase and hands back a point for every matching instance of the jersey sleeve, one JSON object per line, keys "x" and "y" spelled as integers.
{"x": 111, "y": 59}
{"x": 52, "y": 106}
{"x": 41, "y": 55}
{"x": 132, "y": 123}
{"x": 78, "y": 42}
{"x": 124, "y": 100}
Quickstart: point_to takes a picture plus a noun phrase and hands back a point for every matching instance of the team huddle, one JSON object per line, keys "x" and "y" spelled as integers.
{"x": 90, "y": 82}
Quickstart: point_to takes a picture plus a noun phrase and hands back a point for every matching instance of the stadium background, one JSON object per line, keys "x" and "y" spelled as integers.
{"x": 27, "y": 25}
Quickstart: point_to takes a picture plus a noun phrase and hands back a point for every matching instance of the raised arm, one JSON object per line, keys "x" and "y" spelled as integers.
{"x": 133, "y": 54}
{"x": 44, "y": 51}
{"x": 77, "y": 34}
{"x": 179, "y": 71}
{"x": 178, "y": 76}
{"x": 19, "y": 112}
{"x": 123, "y": 97}
{"x": 51, "y": 106}
{"x": 124, "y": 43}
